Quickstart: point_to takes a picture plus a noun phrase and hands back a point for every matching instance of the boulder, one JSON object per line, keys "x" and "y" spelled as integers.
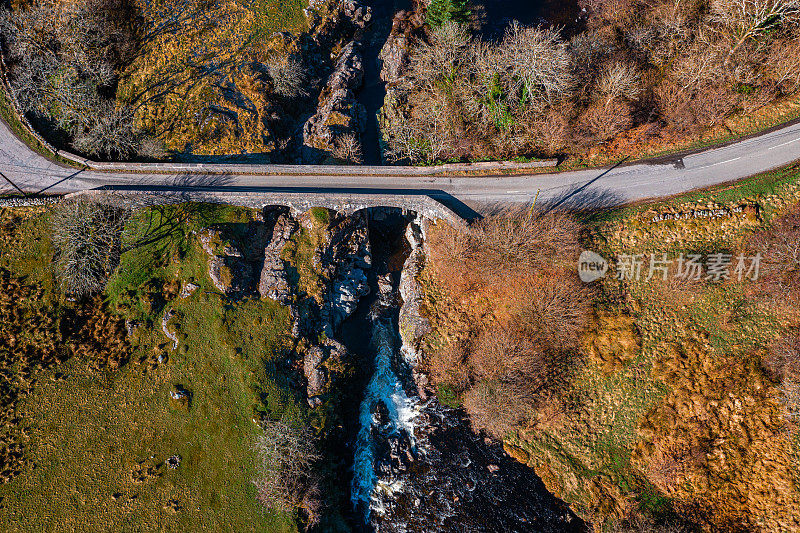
{"x": 358, "y": 13}
{"x": 314, "y": 368}
{"x": 316, "y": 375}
{"x": 394, "y": 453}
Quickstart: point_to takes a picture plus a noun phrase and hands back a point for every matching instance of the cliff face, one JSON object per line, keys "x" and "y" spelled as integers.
{"x": 315, "y": 263}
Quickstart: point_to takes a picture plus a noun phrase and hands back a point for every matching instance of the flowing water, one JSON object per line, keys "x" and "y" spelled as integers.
{"x": 386, "y": 407}
{"x": 417, "y": 465}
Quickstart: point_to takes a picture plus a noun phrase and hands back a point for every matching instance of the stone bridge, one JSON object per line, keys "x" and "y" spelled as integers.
{"x": 421, "y": 202}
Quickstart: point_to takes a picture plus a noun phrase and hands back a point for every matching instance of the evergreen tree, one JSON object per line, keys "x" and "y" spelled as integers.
{"x": 442, "y": 11}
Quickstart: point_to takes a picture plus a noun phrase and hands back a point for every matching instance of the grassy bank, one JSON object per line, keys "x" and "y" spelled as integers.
{"x": 9, "y": 116}
{"x": 95, "y": 435}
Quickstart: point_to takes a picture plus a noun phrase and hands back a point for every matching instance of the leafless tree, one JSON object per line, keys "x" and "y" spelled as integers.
{"x": 59, "y": 56}
{"x": 783, "y": 65}
{"x": 538, "y": 64}
{"x": 286, "y": 455}
{"x": 111, "y": 132}
{"x": 87, "y": 235}
{"x": 441, "y": 56}
{"x": 288, "y": 75}
{"x": 620, "y": 80}
{"x": 742, "y": 20}
{"x": 348, "y": 148}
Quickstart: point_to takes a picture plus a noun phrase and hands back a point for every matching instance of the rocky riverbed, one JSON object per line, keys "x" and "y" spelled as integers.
{"x": 415, "y": 465}
{"x": 419, "y": 466}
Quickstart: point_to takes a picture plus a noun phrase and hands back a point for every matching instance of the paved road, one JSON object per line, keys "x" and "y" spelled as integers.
{"x": 34, "y": 173}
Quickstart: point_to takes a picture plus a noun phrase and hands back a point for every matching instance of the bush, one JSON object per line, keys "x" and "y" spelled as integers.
{"x": 517, "y": 311}
{"x": 678, "y": 67}
{"x": 286, "y": 455}
{"x": 64, "y": 58}
{"x": 87, "y": 235}
{"x": 442, "y": 11}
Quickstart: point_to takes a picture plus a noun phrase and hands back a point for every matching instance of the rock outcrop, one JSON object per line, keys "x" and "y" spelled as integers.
{"x": 338, "y": 112}
{"x": 230, "y": 272}
{"x": 345, "y": 260}
{"x": 413, "y": 325}
{"x": 395, "y": 57}
{"x": 316, "y": 361}
{"x": 396, "y": 51}
{"x": 394, "y": 453}
{"x": 274, "y": 283}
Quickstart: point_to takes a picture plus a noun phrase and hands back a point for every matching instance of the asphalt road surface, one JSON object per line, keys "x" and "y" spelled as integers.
{"x": 620, "y": 184}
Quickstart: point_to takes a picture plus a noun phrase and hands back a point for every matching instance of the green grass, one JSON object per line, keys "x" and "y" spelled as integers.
{"x": 89, "y": 430}
{"x": 277, "y": 15}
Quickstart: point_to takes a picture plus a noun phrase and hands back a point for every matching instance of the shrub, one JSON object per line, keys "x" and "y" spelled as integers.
{"x": 288, "y": 75}
{"x": 347, "y": 148}
{"x": 779, "y": 278}
{"x": 87, "y": 235}
{"x": 518, "y": 310}
{"x": 286, "y": 455}
{"x": 442, "y": 11}
{"x": 64, "y": 58}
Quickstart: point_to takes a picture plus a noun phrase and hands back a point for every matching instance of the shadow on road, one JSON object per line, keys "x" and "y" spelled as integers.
{"x": 579, "y": 198}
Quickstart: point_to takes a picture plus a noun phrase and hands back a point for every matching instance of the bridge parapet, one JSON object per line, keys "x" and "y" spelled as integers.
{"x": 343, "y": 202}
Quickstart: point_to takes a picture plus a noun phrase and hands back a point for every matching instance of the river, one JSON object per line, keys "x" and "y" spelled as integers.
{"x": 417, "y": 465}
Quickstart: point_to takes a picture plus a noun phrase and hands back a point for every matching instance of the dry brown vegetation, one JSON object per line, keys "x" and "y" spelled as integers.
{"x": 779, "y": 284}
{"x": 779, "y": 246}
{"x": 522, "y": 310}
{"x": 29, "y": 341}
{"x": 683, "y": 412}
{"x": 286, "y": 481}
{"x": 645, "y": 72}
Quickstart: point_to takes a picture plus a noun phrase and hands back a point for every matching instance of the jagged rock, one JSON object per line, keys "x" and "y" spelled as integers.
{"x": 358, "y": 13}
{"x": 216, "y": 264}
{"x": 396, "y": 51}
{"x": 274, "y": 282}
{"x": 338, "y": 111}
{"x": 413, "y": 326}
{"x": 315, "y": 374}
{"x": 345, "y": 259}
{"x": 314, "y": 368}
{"x": 178, "y": 394}
{"x": 393, "y": 448}
{"x": 173, "y": 462}
{"x": 348, "y": 73}
{"x": 230, "y": 272}
{"x": 168, "y": 314}
{"x": 131, "y": 327}
{"x": 345, "y": 294}
{"x": 207, "y": 238}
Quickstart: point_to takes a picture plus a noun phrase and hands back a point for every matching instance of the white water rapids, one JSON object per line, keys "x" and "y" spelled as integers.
{"x": 403, "y": 410}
